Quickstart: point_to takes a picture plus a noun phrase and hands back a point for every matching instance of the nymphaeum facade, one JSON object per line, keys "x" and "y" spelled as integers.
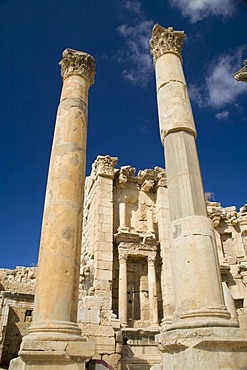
{"x": 126, "y": 291}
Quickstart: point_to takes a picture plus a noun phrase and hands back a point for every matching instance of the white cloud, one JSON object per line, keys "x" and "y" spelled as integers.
{"x": 222, "y": 115}
{"x": 135, "y": 56}
{"x": 220, "y": 88}
{"x": 200, "y": 9}
{"x": 133, "y": 6}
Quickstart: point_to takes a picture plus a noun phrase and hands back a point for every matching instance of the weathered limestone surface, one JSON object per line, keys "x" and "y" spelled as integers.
{"x": 95, "y": 316}
{"x": 190, "y": 229}
{"x": 54, "y": 336}
{"x": 198, "y": 294}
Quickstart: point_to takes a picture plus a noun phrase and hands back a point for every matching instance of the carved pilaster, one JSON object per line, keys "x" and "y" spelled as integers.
{"x": 77, "y": 63}
{"x": 241, "y": 75}
{"x": 166, "y": 40}
{"x": 104, "y": 166}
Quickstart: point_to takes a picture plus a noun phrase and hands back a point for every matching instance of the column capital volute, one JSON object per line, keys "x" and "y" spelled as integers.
{"x": 77, "y": 63}
{"x": 241, "y": 75}
{"x": 166, "y": 40}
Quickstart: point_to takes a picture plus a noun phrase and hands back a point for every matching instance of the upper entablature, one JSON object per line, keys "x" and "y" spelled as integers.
{"x": 147, "y": 180}
{"x": 228, "y": 215}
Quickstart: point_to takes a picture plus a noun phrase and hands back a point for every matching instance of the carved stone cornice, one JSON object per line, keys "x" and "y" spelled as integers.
{"x": 241, "y": 75}
{"x": 219, "y": 214}
{"x": 125, "y": 173}
{"x": 104, "y": 166}
{"x": 166, "y": 40}
{"x": 150, "y": 180}
{"x": 77, "y": 63}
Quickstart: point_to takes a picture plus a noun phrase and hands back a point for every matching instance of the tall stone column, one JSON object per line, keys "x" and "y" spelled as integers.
{"x": 197, "y": 284}
{"x": 123, "y": 287}
{"x": 152, "y": 291}
{"x": 54, "y": 337}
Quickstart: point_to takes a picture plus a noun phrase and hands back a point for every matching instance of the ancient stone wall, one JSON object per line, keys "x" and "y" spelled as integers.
{"x": 16, "y": 307}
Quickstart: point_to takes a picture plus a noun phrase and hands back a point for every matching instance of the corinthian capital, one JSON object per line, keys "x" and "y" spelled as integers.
{"x": 77, "y": 63}
{"x": 166, "y": 40}
{"x": 241, "y": 75}
{"x": 104, "y": 166}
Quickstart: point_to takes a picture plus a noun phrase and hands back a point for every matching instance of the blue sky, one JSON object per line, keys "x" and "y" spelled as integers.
{"x": 123, "y": 118}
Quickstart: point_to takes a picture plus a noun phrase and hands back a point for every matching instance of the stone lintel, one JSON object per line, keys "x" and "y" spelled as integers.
{"x": 15, "y": 296}
{"x": 77, "y": 63}
{"x": 166, "y": 40}
{"x": 241, "y": 75}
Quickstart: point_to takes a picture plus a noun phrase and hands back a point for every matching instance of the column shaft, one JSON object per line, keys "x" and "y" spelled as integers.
{"x": 198, "y": 301}
{"x": 54, "y": 337}
{"x": 122, "y": 300}
{"x": 122, "y": 215}
{"x": 152, "y": 292}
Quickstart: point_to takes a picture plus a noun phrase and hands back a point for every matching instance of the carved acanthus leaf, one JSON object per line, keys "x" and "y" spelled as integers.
{"x": 166, "y": 40}
{"x": 104, "y": 166}
{"x": 77, "y": 63}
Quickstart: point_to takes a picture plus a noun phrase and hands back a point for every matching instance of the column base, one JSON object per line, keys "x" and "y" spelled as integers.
{"x": 198, "y": 291}
{"x": 55, "y": 330}
{"x": 204, "y": 348}
{"x": 50, "y": 355}
{"x": 203, "y": 318}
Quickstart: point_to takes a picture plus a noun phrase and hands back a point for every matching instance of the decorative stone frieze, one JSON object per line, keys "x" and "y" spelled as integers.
{"x": 241, "y": 75}
{"x": 136, "y": 249}
{"x": 166, "y": 40}
{"x": 77, "y": 63}
{"x": 104, "y": 166}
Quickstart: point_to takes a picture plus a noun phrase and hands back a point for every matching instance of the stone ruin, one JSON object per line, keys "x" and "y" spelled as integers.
{"x": 156, "y": 276}
{"x": 123, "y": 222}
